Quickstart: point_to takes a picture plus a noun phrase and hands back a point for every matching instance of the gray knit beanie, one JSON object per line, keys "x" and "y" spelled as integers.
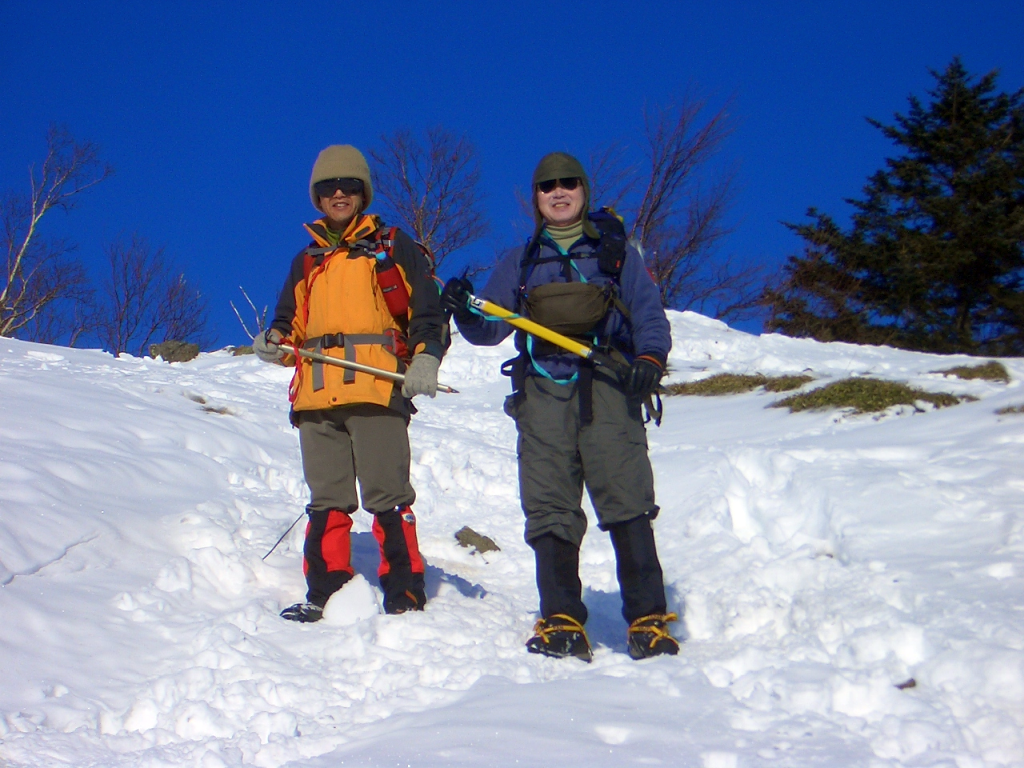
{"x": 341, "y": 161}
{"x": 560, "y": 165}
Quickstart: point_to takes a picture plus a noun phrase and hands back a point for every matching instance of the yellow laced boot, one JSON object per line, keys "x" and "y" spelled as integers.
{"x": 560, "y": 636}
{"x": 649, "y": 636}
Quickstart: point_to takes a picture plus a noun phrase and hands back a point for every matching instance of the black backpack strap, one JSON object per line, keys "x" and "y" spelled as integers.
{"x": 515, "y": 369}
{"x": 531, "y": 260}
{"x": 585, "y": 390}
{"x": 610, "y": 251}
{"x": 610, "y": 254}
{"x": 526, "y": 264}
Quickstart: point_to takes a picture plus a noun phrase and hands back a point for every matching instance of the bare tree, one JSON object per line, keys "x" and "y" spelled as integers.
{"x": 613, "y": 178}
{"x": 182, "y": 311}
{"x": 680, "y": 217}
{"x": 44, "y": 290}
{"x": 678, "y": 147}
{"x": 432, "y": 189}
{"x": 146, "y": 300}
{"x": 678, "y": 248}
{"x": 65, "y": 319}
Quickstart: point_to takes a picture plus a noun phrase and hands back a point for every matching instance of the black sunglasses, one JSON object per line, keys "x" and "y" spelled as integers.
{"x": 348, "y": 187}
{"x": 549, "y": 185}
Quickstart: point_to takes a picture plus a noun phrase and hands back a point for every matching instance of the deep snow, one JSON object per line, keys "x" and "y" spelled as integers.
{"x": 819, "y": 560}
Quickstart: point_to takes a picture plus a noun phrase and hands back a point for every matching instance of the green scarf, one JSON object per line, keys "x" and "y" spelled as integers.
{"x": 332, "y": 236}
{"x": 565, "y": 237}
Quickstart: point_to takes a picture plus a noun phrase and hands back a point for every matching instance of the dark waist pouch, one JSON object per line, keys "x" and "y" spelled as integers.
{"x": 571, "y": 309}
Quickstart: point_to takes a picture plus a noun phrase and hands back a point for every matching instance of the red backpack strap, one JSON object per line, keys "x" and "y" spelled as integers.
{"x": 313, "y": 263}
{"x": 385, "y": 244}
{"x": 313, "y": 257}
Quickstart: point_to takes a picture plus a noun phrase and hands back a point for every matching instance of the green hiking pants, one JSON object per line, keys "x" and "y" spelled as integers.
{"x": 366, "y": 442}
{"x": 559, "y": 456}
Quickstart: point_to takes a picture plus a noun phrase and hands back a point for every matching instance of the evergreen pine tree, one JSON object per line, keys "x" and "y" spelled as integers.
{"x": 934, "y": 259}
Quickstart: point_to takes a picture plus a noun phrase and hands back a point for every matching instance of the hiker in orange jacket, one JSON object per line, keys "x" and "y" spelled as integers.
{"x": 354, "y": 425}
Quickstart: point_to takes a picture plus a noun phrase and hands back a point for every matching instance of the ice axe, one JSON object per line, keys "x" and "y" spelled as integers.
{"x": 585, "y": 351}
{"x": 380, "y": 372}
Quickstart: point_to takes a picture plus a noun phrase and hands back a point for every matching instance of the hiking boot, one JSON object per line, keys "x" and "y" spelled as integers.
{"x": 303, "y": 612}
{"x": 560, "y": 636}
{"x": 401, "y": 565}
{"x": 406, "y": 601}
{"x": 649, "y": 636}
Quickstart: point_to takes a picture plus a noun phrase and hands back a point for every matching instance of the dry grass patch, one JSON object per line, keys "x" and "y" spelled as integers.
{"x": 786, "y": 383}
{"x": 993, "y": 370}
{"x": 737, "y": 383}
{"x": 865, "y": 396}
{"x": 1010, "y": 409}
{"x": 218, "y": 409}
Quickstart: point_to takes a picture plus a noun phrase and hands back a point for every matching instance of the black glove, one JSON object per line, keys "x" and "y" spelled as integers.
{"x": 455, "y": 298}
{"x": 644, "y": 375}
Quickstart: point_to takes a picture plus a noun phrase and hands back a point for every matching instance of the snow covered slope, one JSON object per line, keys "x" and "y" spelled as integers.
{"x": 819, "y": 560}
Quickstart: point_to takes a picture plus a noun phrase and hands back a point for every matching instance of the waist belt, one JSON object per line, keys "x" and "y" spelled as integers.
{"x": 349, "y": 341}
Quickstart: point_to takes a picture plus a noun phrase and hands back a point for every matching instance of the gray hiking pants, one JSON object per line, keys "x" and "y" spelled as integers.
{"x": 365, "y": 442}
{"x": 558, "y": 456}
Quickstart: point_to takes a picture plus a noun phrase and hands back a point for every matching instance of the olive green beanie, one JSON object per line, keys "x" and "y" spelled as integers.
{"x": 560, "y": 165}
{"x": 341, "y": 161}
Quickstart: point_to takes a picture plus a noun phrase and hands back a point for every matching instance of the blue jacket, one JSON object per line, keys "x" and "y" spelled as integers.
{"x": 645, "y": 333}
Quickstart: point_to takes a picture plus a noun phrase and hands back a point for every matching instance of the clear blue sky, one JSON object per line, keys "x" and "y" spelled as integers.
{"x": 212, "y": 113}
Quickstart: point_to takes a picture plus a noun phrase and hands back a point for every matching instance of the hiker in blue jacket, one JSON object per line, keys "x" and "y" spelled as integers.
{"x": 580, "y": 425}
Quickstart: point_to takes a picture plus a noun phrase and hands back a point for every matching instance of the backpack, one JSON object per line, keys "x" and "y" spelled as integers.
{"x": 610, "y": 253}
{"x": 569, "y": 306}
{"x": 575, "y": 307}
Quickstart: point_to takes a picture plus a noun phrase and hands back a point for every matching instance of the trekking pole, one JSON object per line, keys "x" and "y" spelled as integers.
{"x": 585, "y": 351}
{"x": 282, "y": 536}
{"x": 394, "y": 376}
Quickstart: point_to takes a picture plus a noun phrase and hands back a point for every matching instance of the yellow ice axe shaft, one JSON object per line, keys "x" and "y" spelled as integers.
{"x": 379, "y": 372}
{"x": 585, "y": 351}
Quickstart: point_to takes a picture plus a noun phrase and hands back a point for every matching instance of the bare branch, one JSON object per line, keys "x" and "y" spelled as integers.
{"x": 261, "y": 317}
{"x": 679, "y": 219}
{"x": 677, "y": 147}
{"x": 145, "y": 299}
{"x": 432, "y": 189}
{"x": 525, "y": 223}
{"x": 129, "y": 291}
{"x": 612, "y": 177}
{"x": 181, "y": 312}
{"x": 37, "y": 273}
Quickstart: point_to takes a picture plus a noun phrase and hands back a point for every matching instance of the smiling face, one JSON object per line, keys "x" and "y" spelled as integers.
{"x": 560, "y": 207}
{"x": 340, "y": 209}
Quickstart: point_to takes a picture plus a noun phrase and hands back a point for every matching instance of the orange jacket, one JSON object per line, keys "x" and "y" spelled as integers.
{"x": 331, "y": 302}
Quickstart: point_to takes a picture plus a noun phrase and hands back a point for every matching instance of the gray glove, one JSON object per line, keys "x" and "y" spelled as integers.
{"x": 267, "y": 346}
{"x": 421, "y": 376}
